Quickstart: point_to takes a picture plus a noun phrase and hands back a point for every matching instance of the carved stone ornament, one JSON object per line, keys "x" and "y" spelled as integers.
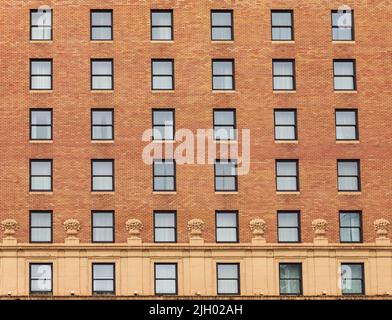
{"x": 71, "y": 227}
{"x": 134, "y": 226}
{"x": 257, "y": 226}
{"x": 320, "y": 227}
{"x": 196, "y": 227}
{"x": 9, "y": 227}
{"x": 381, "y": 226}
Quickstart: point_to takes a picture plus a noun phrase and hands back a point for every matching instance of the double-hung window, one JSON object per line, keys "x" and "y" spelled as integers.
{"x": 162, "y": 74}
{"x": 165, "y": 226}
{"x": 226, "y": 175}
{"x": 224, "y": 124}
{"x": 223, "y": 74}
{"x": 162, "y": 25}
{"x": 163, "y": 124}
{"x": 350, "y": 226}
{"x": 102, "y": 175}
{"x": 40, "y": 175}
{"x": 101, "y": 25}
{"x": 226, "y": 226}
{"x": 342, "y": 25}
{"x": 285, "y": 124}
{"x": 344, "y": 75}
{"x": 164, "y": 172}
{"x": 283, "y": 75}
{"x": 40, "y": 226}
{"x": 282, "y": 25}
{"x": 165, "y": 278}
{"x": 228, "y": 278}
{"x": 353, "y": 280}
{"x": 289, "y": 226}
{"x": 41, "y": 124}
{"x": 41, "y": 24}
{"x": 102, "y": 124}
{"x": 346, "y": 124}
{"x": 40, "y": 74}
{"x": 103, "y": 226}
{"x": 41, "y": 278}
{"x": 287, "y": 175}
{"x": 290, "y": 278}
{"x": 102, "y": 74}
{"x": 221, "y": 25}
{"x": 103, "y": 278}
{"x": 349, "y": 175}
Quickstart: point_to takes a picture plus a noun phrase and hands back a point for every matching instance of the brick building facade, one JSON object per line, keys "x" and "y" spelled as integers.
{"x": 289, "y": 56}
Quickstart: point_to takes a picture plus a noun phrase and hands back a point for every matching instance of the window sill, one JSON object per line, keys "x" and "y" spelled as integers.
{"x": 101, "y": 41}
{"x": 163, "y": 91}
{"x": 41, "y": 192}
{"x": 162, "y": 41}
{"x": 223, "y": 91}
{"x": 101, "y": 91}
{"x": 347, "y": 141}
{"x": 163, "y": 141}
{"x": 349, "y": 193}
{"x": 102, "y": 192}
{"x": 165, "y": 192}
{"x": 41, "y": 141}
{"x": 102, "y": 141}
{"x": 288, "y": 192}
{"x": 222, "y": 41}
{"x": 345, "y": 91}
{"x": 40, "y": 91}
{"x": 226, "y": 192}
{"x": 283, "y": 41}
{"x": 41, "y": 41}
{"x": 284, "y": 91}
{"x": 343, "y": 41}
{"x": 226, "y": 141}
{"x": 287, "y": 141}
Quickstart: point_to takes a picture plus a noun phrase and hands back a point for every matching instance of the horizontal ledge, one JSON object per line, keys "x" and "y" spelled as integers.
{"x": 345, "y": 91}
{"x": 165, "y": 192}
{"x": 40, "y": 91}
{"x": 102, "y": 192}
{"x": 343, "y": 41}
{"x": 163, "y": 141}
{"x": 224, "y": 91}
{"x": 288, "y": 192}
{"x": 163, "y": 91}
{"x": 347, "y": 141}
{"x": 284, "y": 91}
{"x": 225, "y": 141}
{"x": 41, "y": 192}
{"x": 286, "y": 141}
{"x": 222, "y": 41}
{"x": 283, "y": 41}
{"x": 101, "y": 91}
{"x": 102, "y": 141}
{"x": 41, "y": 41}
{"x": 162, "y": 41}
{"x": 226, "y": 192}
{"x": 41, "y": 141}
{"x": 350, "y": 193}
{"x": 101, "y": 41}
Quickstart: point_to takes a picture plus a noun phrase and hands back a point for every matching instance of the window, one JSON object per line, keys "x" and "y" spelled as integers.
{"x": 221, "y": 25}
{"x": 228, "y": 276}
{"x": 224, "y": 124}
{"x": 290, "y": 278}
{"x": 40, "y": 74}
{"x": 40, "y": 124}
{"x": 40, "y": 226}
{"x": 102, "y": 175}
{"x": 164, "y": 175}
{"x": 101, "y": 25}
{"x": 101, "y": 74}
{"x": 41, "y": 281}
{"x": 102, "y": 124}
{"x": 226, "y": 175}
{"x": 348, "y": 175}
{"x": 103, "y": 278}
{"x": 285, "y": 124}
{"x": 342, "y": 25}
{"x": 287, "y": 175}
{"x": 165, "y": 278}
{"x": 163, "y": 124}
{"x": 283, "y": 74}
{"x": 352, "y": 276}
{"x": 346, "y": 124}
{"x": 350, "y": 226}
{"x": 165, "y": 226}
{"x": 161, "y": 25}
{"x": 41, "y": 24}
{"x": 103, "y": 226}
{"x": 344, "y": 75}
{"x": 163, "y": 74}
{"x": 222, "y": 74}
{"x": 282, "y": 25}
{"x": 40, "y": 175}
{"x": 226, "y": 226}
{"x": 288, "y": 226}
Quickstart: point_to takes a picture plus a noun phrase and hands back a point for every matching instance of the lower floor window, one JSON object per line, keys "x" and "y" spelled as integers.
{"x": 165, "y": 278}
{"x": 290, "y": 278}
{"x": 103, "y": 278}
{"x": 352, "y": 276}
{"x": 41, "y": 278}
{"x": 228, "y": 278}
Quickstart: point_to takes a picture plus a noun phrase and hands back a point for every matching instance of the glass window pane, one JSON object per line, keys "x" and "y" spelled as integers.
{"x": 350, "y": 235}
{"x": 103, "y": 234}
{"x": 225, "y": 168}
{"x": 163, "y": 117}
{"x": 161, "y": 18}
{"x": 41, "y": 33}
{"x": 41, "y": 83}
{"x": 40, "y": 183}
{"x": 103, "y": 271}
{"x": 342, "y": 34}
{"x": 290, "y": 271}
{"x": 281, "y": 18}
{"x": 164, "y": 219}
{"x": 41, "y": 285}
{"x": 101, "y": 18}
{"x": 103, "y": 183}
{"x": 163, "y": 168}
{"x": 161, "y": 33}
{"x": 40, "y": 168}
{"x": 224, "y": 133}
{"x": 41, "y": 117}
{"x": 102, "y": 83}
{"x": 40, "y": 132}
{"x": 162, "y": 83}
{"x": 226, "y": 234}
{"x": 227, "y": 271}
{"x": 221, "y": 33}
{"x": 224, "y": 117}
{"x": 281, "y": 34}
{"x": 165, "y": 286}
{"x": 288, "y": 219}
{"x": 342, "y": 19}
{"x": 102, "y": 117}
{"x": 164, "y": 183}
{"x": 41, "y": 67}
{"x": 41, "y": 18}
{"x": 288, "y": 235}
{"x": 221, "y": 18}
{"x": 284, "y": 133}
{"x": 227, "y": 286}
{"x": 352, "y": 286}
{"x": 223, "y": 83}
{"x": 165, "y": 235}
{"x": 283, "y": 83}
{"x": 163, "y": 133}
{"x": 162, "y": 67}
{"x": 225, "y": 183}
{"x": 226, "y": 219}
{"x": 101, "y": 33}
{"x": 104, "y": 285}
{"x": 344, "y": 83}
{"x": 102, "y": 133}
{"x": 102, "y": 67}
{"x": 345, "y": 117}
{"x": 350, "y": 219}
{"x": 346, "y": 133}
{"x": 165, "y": 271}
{"x": 286, "y": 168}
{"x": 41, "y": 219}
{"x": 347, "y": 168}
{"x": 102, "y": 168}
{"x": 283, "y": 68}
{"x": 285, "y": 117}
{"x": 348, "y": 183}
{"x": 223, "y": 67}
{"x": 103, "y": 219}
{"x": 290, "y": 287}
{"x": 344, "y": 68}
{"x": 41, "y": 234}
{"x": 287, "y": 183}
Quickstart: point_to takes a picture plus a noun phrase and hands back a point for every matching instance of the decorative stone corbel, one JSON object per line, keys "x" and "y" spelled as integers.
{"x": 381, "y": 226}
{"x": 195, "y": 228}
{"x": 320, "y": 227}
{"x": 258, "y": 226}
{"x": 9, "y": 227}
{"x": 71, "y": 227}
{"x": 134, "y": 227}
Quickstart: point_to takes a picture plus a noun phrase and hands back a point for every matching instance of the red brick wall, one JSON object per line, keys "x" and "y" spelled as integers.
{"x": 192, "y": 49}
